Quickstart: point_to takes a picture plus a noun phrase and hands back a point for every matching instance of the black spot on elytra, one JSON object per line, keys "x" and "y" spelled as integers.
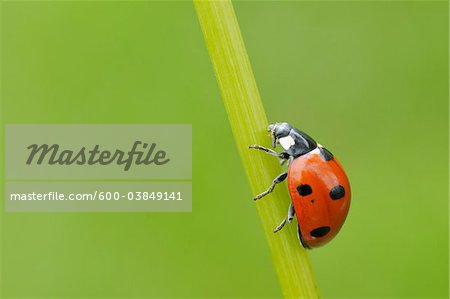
{"x": 312, "y": 200}
{"x": 320, "y": 231}
{"x": 304, "y": 189}
{"x": 337, "y": 192}
{"x": 326, "y": 154}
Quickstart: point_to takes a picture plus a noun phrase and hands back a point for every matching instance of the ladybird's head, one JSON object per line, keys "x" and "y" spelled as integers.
{"x": 278, "y": 130}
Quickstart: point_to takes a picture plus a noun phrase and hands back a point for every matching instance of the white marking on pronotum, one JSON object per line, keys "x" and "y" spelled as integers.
{"x": 287, "y": 142}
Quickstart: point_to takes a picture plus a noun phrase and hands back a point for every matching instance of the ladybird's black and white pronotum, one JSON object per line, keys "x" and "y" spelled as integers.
{"x": 318, "y": 185}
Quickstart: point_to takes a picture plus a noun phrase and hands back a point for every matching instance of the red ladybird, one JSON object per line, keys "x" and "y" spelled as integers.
{"x": 318, "y": 185}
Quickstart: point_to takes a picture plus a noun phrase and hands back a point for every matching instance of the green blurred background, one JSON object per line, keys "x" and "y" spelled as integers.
{"x": 367, "y": 79}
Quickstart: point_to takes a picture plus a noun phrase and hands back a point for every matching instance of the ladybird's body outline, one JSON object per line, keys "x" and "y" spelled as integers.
{"x": 318, "y": 186}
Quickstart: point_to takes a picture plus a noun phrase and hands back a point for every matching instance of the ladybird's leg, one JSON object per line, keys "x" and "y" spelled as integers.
{"x": 287, "y": 159}
{"x": 291, "y": 213}
{"x": 280, "y": 226}
{"x": 283, "y": 156}
{"x": 289, "y": 217}
{"x": 267, "y": 150}
{"x": 277, "y": 180}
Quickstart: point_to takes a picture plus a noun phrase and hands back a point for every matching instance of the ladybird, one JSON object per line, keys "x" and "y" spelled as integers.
{"x": 318, "y": 186}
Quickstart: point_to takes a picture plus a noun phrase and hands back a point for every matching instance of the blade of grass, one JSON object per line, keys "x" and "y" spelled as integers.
{"x": 248, "y": 122}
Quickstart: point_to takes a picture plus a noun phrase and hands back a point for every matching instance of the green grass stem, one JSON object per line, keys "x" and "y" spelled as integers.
{"x": 249, "y": 123}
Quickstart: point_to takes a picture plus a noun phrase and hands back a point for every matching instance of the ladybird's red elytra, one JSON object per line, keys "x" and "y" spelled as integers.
{"x": 318, "y": 186}
{"x": 327, "y": 203}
